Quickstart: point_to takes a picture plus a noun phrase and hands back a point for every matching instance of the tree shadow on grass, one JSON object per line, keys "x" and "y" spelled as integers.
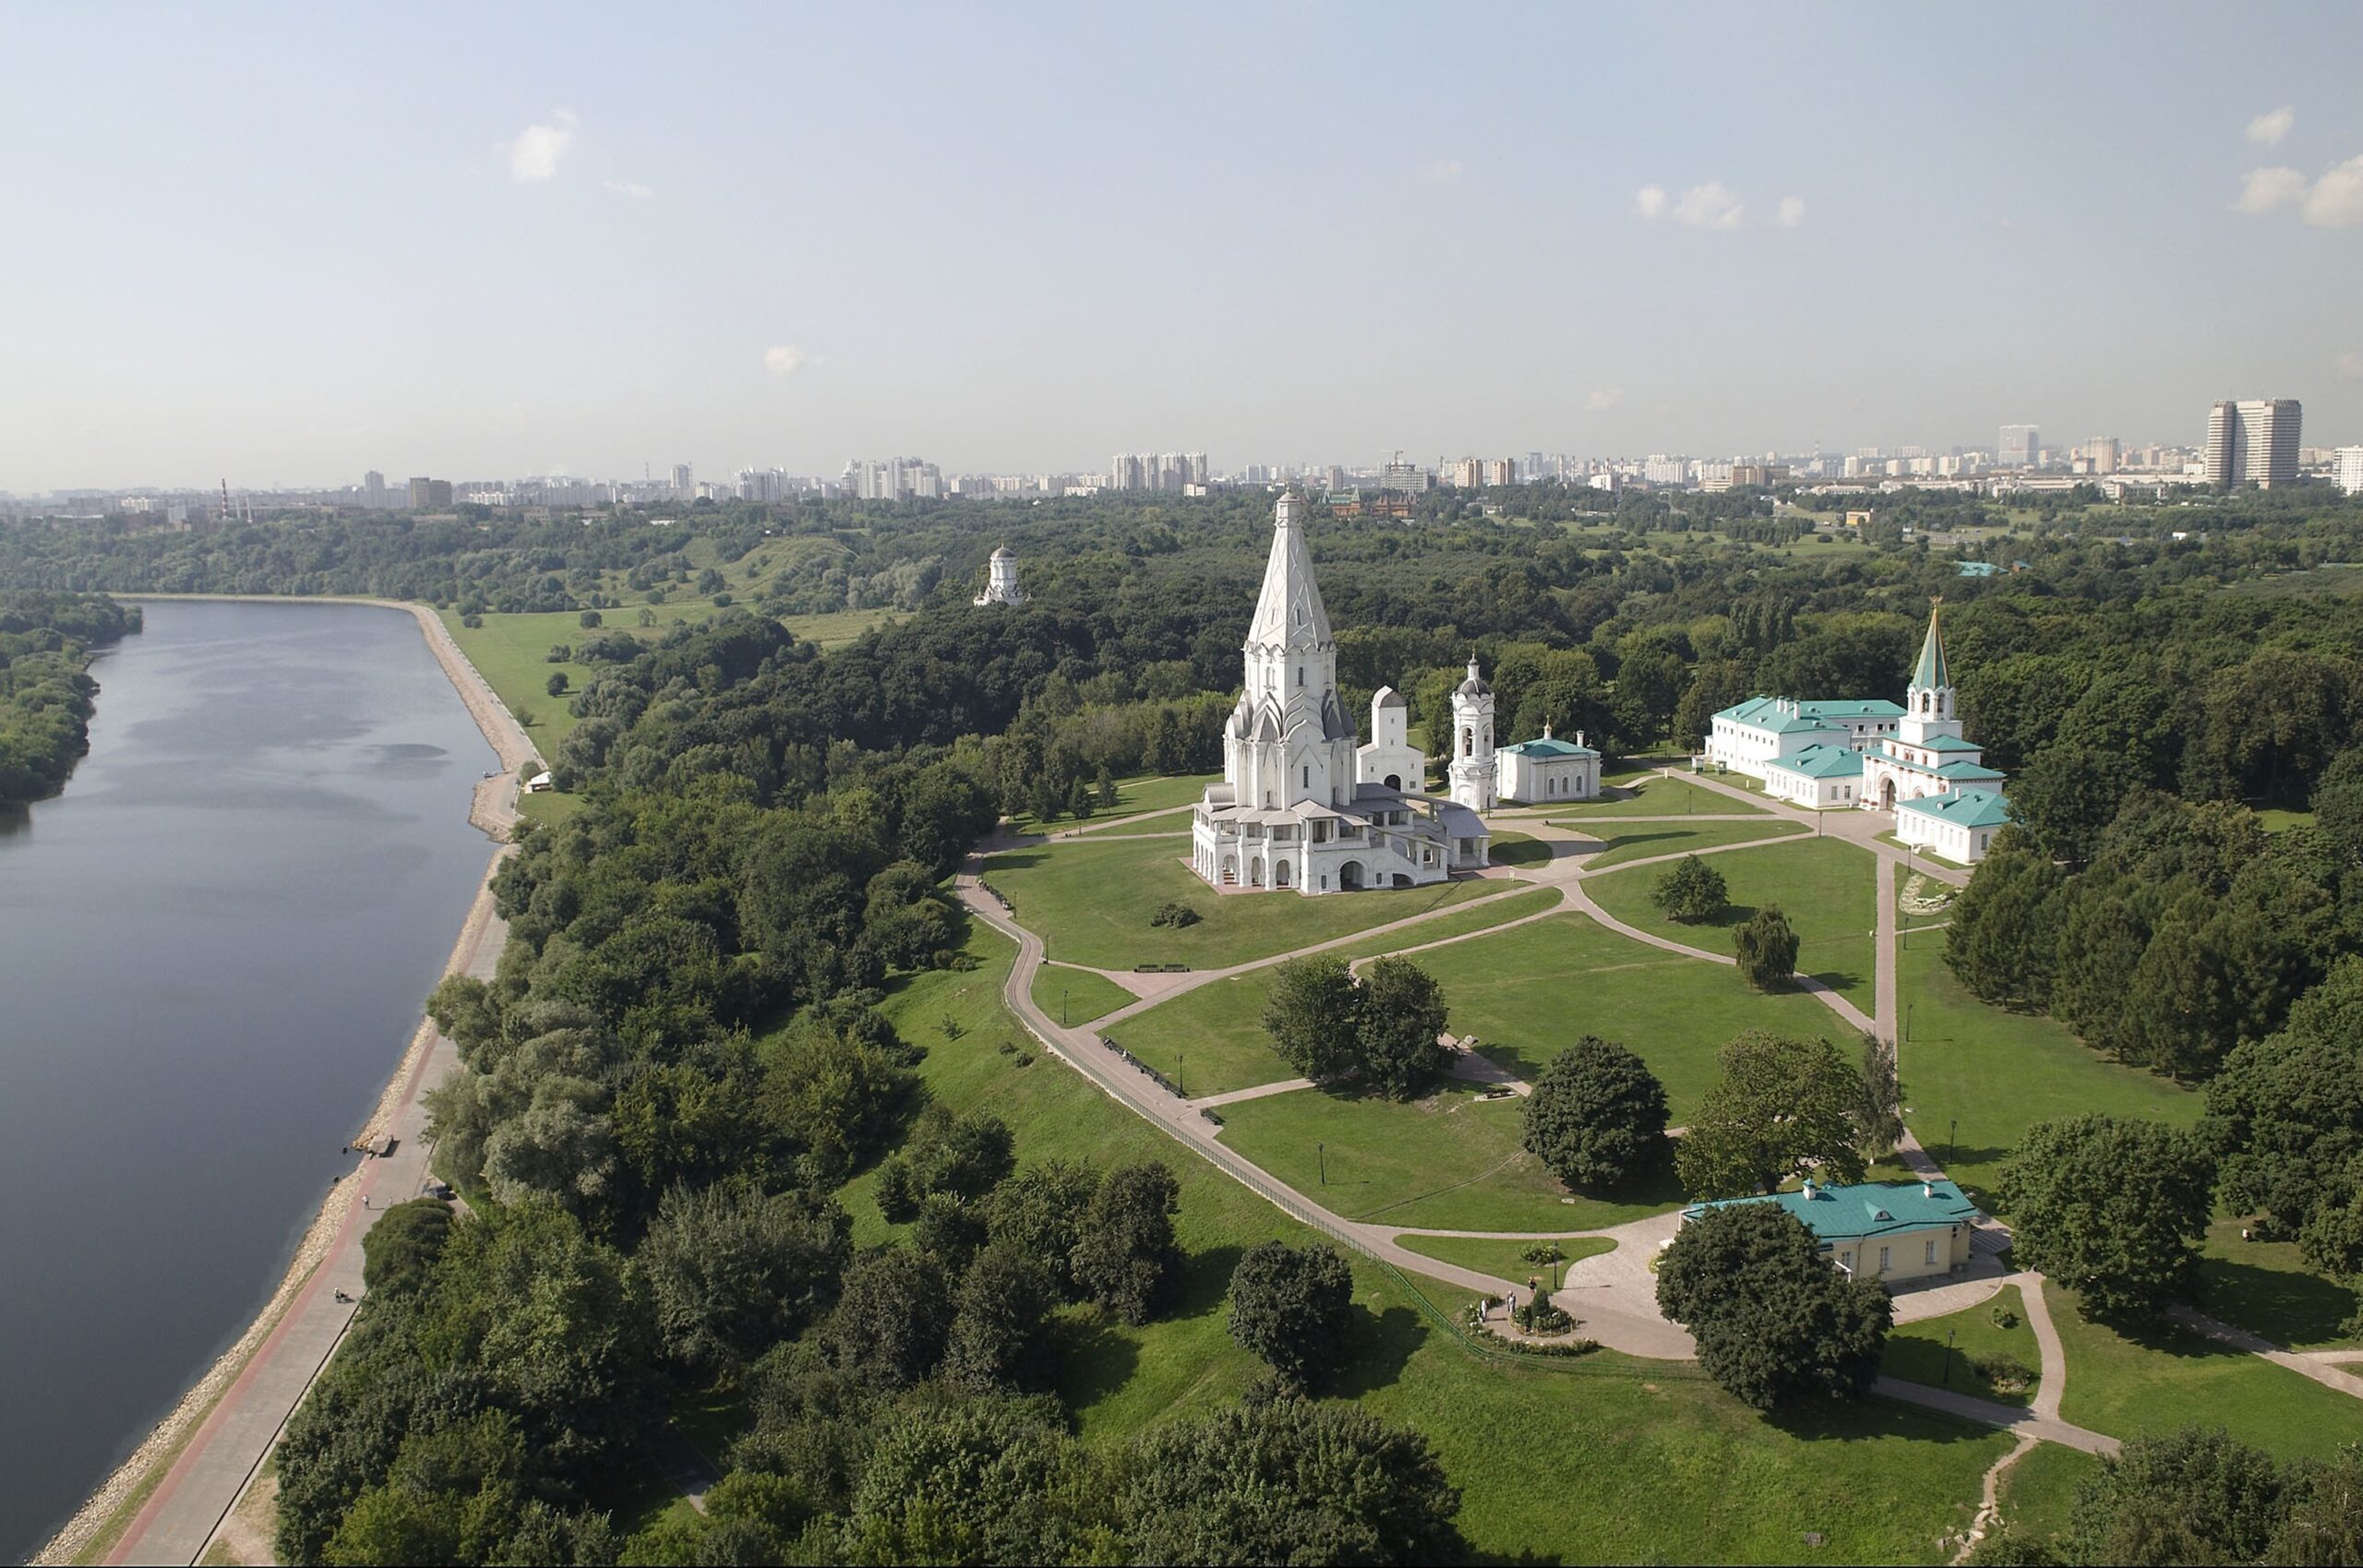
{"x": 1622, "y": 841}
{"x": 1013, "y": 860}
{"x": 1378, "y": 1346}
{"x": 1206, "y": 1281}
{"x": 2285, "y": 1307}
{"x": 1809, "y": 1420}
{"x": 1096, "y": 1357}
{"x": 1840, "y": 980}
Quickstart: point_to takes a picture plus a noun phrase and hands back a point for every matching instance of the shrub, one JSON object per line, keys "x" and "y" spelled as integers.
{"x": 1175, "y": 914}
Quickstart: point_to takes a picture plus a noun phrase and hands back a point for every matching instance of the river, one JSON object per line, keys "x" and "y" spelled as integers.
{"x": 213, "y": 950}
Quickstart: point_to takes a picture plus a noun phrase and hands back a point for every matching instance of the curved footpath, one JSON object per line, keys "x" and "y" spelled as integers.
{"x": 216, "y": 1439}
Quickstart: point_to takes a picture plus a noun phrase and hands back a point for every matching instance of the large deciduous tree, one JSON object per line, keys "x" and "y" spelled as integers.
{"x": 732, "y": 1272}
{"x": 2110, "y": 1207}
{"x": 1314, "y": 1016}
{"x": 1125, "y": 1258}
{"x": 1596, "y": 1116}
{"x": 1784, "y": 1108}
{"x": 1775, "y": 1324}
{"x": 2004, "y": 936}
{"x": 1767, "y": 949}
{"x": 1690, "y": 891}
{"x": 2285, "y": 1113}
{"x": 1291, "y": 1306}
{"x": 1401, "y": 1013}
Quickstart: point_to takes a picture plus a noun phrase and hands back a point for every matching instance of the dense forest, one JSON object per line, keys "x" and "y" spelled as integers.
{"x": 679, "y": 1063}
{"x": 46, "y": 691}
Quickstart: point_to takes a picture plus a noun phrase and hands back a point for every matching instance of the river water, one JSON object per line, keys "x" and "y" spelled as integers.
{"x": 213, "y": 950}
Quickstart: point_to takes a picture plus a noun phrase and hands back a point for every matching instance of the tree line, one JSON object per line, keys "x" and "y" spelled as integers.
{"x": 46, "y": 691}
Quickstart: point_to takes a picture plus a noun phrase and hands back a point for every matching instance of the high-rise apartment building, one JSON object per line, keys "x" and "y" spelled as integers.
{"x": 426, "y": 493}
{"x": 1407, "y": 477}
{"x": 2104, "y": 453}
{"x": 373, "y": 491}
{"x": 685, "y": 483}
{"x": 2346, "y": 467}
{"x": 2253, "y": 440}
{"x": 2018, "y": 446}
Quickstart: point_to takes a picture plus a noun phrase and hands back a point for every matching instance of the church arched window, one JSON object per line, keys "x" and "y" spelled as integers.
{"x": 1468, "y": 741}
{"x": 1299, "y": 677}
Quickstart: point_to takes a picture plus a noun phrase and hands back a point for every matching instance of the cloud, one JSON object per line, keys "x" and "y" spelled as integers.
{"x": 538, "y": 149}
{"x": 2336, "y": 200}
{"x": 2266, "y": 130}
{"x": 2350, "y": 366}
{"x": 631, "y": 188}
{"x": 1711, "y": 205}
{"x": 1600, "y": 402}
{"x": 781, "y": 359}
{"x": 1444, "y": 171}
{"x": 2266, "y": 190}
{"x": 1793, "y": 212}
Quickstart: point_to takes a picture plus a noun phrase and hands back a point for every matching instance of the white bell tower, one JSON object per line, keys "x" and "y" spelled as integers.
{"x": 1471, "y": 774}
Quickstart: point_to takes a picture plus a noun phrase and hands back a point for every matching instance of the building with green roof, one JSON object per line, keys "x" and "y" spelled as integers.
{"x": 1547, "y": 771}
{"x": 1959, "y": 824}
{"x": 1884, "y": 1230}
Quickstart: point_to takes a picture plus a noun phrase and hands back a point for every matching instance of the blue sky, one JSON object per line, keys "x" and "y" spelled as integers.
{"x": 288, "y": 243}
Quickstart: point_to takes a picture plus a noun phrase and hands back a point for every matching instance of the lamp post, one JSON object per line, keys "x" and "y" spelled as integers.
{"x": 1948, "y": 1355}
{"x": 1953, "y": 1134}
{"x": 1062, "y": 1007}
{"x": 1322, "y": 1150}
{"x": 1177, "y": 1076}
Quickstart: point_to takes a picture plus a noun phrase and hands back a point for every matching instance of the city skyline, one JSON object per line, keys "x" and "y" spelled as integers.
{"x": 1018, "y": 239}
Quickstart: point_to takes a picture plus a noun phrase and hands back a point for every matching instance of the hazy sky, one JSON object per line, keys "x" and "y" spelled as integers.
{"x": 289, "y": 243}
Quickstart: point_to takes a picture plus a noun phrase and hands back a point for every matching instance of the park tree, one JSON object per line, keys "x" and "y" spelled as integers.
{"x": 985, "y": 1480}
{"x": 2066, "y": 796}
{"x": 1314, "y": 1016}
{"x": 2004, "y": 936}
{"x": 733, "y": 1272}
{"x": 960, "y": 1155}
{"x": 1038, "y": 1211}
{"x": 1400, "y": 1010}
{"x": 398, "y": 1253}
{"x": 996, "y": 1345}
{"x": 2337, "y": 802}
{"x": 1293, "y": 1306}
{"x": 2285, "y": 1114}
{"x": 1767, "y": 949}
{"x": 893, "y": 1318}
{"x": 2196, "y": 1495}
{"x": 2111, "y": 1207}
{"x": 1880, "y": 1120}
{"x": 558, "y": 683}
{"x": 1691, "y": 890}
{"x": 1775, "y": 1324}
{"x": 1784, "y": 1108}
{"x": 1125, "y": 1257}
{"x": 1287, "y": 1480}
{"x": 1596, "y": 1116}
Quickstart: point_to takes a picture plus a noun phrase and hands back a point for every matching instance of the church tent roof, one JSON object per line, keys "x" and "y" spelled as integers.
{"x": 1289, "y": 612}
{"x": 1931, "y": 671}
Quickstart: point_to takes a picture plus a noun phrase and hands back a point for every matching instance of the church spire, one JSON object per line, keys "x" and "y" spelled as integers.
{"x": 1931, "y": 675}
{"x": 1288, "y": 613}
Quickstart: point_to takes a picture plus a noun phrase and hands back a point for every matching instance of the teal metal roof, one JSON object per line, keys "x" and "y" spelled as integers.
{"x": 1549, "y": 747}
{"x": 1771, "y": 714}
{"x": 1822, "y": 763}
{"x": 1962, "y": 808}
{"x": 1948, "y": 743}
{"x": 1869, "y": 1208}
{"x": 1931, "y": 671}
{"x": 1978, "y": 569}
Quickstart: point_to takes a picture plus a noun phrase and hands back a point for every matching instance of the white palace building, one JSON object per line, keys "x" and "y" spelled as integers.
{"x": 1911, "y": 759}
{"x": 1302, "y": 806}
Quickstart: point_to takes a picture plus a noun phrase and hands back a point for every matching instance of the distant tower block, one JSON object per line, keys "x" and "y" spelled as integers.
{"x": 1001, "y": 579}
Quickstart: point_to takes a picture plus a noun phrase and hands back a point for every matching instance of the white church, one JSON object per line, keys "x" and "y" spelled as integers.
{"x": 1875, "y": 756}
{"x": 1301, "y": 805}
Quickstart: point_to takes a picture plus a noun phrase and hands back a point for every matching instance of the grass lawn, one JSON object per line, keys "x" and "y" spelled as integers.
{"x": 1997, "y": 1073}
{"x": 1652, "y": 794}
{"x": 1503, "y": 1259}
{"x": 1527, "y": 993}
{"x": 1916, "y": 1352}
{"x": 2264, "y": 1287}
{"x": 1878, "y": 1481}
{"x": 1091, "y": 903}
{"x": 2039, "y": 1491}
{"x": 1079, "y": 994}
{"x": 1644, "y": 839}
{"x": 1214, "y": 1034}
{"x": 1827, "y": 889}
{"x": 2274, "y": 818}
{"x": 1150, "y": 792}
{"x": 2171, "y": 1378}
{"x": 1450, "y": 1161}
